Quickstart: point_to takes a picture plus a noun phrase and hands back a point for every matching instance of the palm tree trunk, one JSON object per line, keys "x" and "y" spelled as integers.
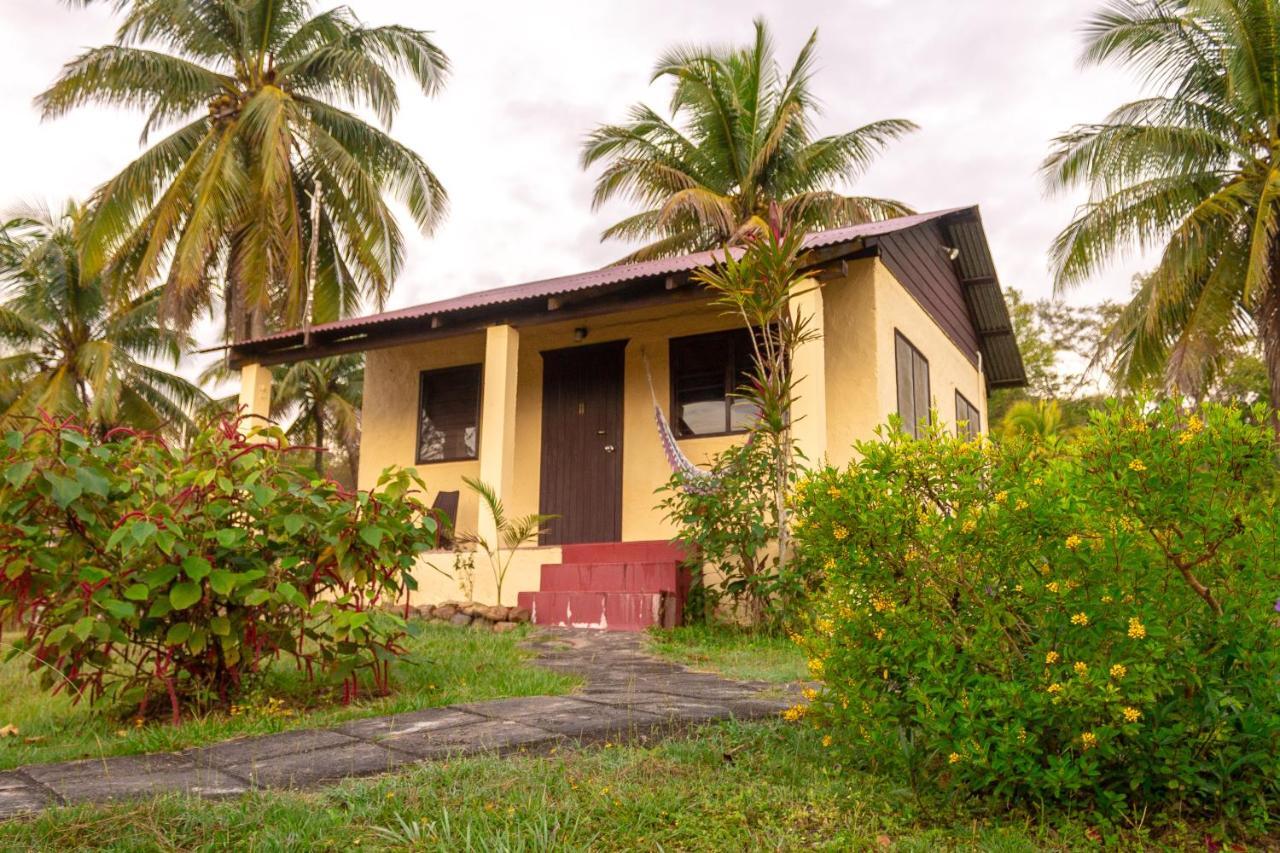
{"x": 319, "y": 416}
{"x": 1269, "y": 327}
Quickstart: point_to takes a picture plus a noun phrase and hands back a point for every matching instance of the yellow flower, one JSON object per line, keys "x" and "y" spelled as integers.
{"x": 824, "y": 626}
{"x": 809, "y": 693}
{"x": 1118, "y": 670}
{"x": 878, "y": 633}
{"x": 1001, "y": 497}
{"x": 1051, "y": 657}
{"x": 1088, "y": 740}
{"x": 953, "y": 758}
{"x": 1106, "y": 599}
{"x": 833, "y": 492}
{"x": 1131, "y": 715}
{"x": 829, "y": 563}
{"x": 794, "y": 713}
{"x": 1052, "y": 586}
{"x": 816, "y": 667}
{"x": 839, "y": 533}
{"x": 1081, "y": 668}
{"x": 1022, "y": 735}
{"x": 1017, "y": 587}
{"x": 1073, "y": 541}
{"x": 969, "y": 526}
{"x": 1020, "y": 504}
{"x": 1137, "y": 465}
{"x": 826, "y": 740}
{"x": 1080, "y": 619}
{"x": 1136, "y": 629}
{"x": 1194, "y": 425}
{"x": 1044, "y": 570}
{"x": 1054, "y": 688}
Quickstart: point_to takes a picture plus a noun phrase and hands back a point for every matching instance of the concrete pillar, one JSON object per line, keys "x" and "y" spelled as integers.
{"x": 498, "y": 419}
{"x": 255, "y": 391}
{"x": 809, "y": 363}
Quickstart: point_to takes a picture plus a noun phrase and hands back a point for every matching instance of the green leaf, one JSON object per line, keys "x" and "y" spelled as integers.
{"x": 138, "y": 592}
{"x": 83, "y": 627}
{"x": 185, "y": 594}
{"x": 199, "y": 637}
{"x": 293, "y": 523}
{"x": 160, "y": 608}
{"x": 65, "y": 490}
{"x": 118, "y": 609}
{"x": 256, "y": 597}
{"x": 177, "y": 634}
{"x": 143, "y": 530}
{"x": 220, "y": 625}
{"x": 196, "y": 568}
{"x": 160, "y": 575}
{"x": 229, "y": 537}
{"x": 222, "y": 581}
{"x": 93, "y": 482}
{"x": 13, "y": 439}
{"x": 18, "y": 472}
{"x": 372, "y": 534}
{"x": 289, "y": 593}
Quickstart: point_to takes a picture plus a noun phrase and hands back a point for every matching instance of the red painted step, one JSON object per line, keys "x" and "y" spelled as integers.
{"x": 606, "y": 611}
{"x": 614, "y": 586}
{"x": 610, "y": 577}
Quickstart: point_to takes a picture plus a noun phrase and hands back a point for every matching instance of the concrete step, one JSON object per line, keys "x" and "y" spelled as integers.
{"x": 648, "y": 551}
{"x": 611, "y": 577}
{"x": 607, "y": 611}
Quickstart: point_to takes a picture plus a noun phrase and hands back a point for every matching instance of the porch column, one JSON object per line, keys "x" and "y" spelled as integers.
{"x": 498, "y": 419}
{"x": 809, "y": 410}
{"x": 255, "y": 391}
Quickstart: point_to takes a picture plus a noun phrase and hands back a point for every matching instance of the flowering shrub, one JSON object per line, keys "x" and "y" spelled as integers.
{"x": 139, "y": 571}
{"x": 1094, "y": 623}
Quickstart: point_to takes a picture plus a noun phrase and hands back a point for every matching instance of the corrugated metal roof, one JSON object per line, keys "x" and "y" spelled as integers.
{"x": 587, "y": 280}
{"x": 973, "y": 265}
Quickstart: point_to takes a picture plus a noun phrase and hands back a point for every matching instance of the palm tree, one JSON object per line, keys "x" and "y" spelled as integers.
{"x": 1040, "y": 420}
{"x": 323, "y": 397}
{"x": 266, "y": 180}
{"x": 740, "y": 137}
{"x": 1192, "y": 171}
{"x": 66, "y": 349}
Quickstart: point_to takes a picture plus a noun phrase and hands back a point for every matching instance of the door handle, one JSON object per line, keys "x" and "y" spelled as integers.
{"x": 609, "y": 448}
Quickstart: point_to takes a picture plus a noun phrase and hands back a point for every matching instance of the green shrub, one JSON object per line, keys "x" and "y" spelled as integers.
{"x": 1093, "y": 624}
{"x": 139, "y": 571}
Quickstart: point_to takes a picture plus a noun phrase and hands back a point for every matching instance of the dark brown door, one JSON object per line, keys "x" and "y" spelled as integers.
{"x": 582, "y": 443}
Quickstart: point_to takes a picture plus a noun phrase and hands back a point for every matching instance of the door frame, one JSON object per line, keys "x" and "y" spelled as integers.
{"x": 611, "y": 347}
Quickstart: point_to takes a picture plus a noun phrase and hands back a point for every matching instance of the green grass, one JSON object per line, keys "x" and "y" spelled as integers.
{"x": 443, "y": 665}
{"x": 733, "y": 787}
{"x": 732, "y": 652}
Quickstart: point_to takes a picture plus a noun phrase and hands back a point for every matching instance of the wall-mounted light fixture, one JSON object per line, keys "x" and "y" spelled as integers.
{"x": 580, "y": 333}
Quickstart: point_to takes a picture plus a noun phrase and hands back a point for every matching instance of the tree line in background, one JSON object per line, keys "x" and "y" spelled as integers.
{"x": 262, "y": 194}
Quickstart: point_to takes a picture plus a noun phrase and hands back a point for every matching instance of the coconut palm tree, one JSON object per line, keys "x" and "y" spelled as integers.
{"x": 66, "y": 349}
{"x": 1191, "y": 171}
{"x": 323, "y": 398}
{"x": 265, "y": 179}
{"x": 740, "y": 136}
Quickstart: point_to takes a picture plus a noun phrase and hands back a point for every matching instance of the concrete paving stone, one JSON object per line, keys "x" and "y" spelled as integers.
{"x": 523, "y": 706}
{"x": 593, "y": 722}
{"x": 501, "y": 736}
{"x": 131, "y": 776}
{"x": 255, "y": 749}
{"x": 353, "y": 758}
{"x": 21, "y": 795}
{"x": 431, "y": 719}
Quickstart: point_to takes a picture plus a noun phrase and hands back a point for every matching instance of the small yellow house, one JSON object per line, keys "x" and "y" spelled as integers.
{"x": 543, "y": 389}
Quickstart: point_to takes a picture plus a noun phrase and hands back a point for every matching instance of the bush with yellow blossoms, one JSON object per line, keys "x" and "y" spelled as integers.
{"x": 1092, "y": 624}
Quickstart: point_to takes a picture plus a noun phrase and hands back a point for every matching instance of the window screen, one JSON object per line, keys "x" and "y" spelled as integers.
{"x": 968, "y": 418}
{"x": 913, "y": 385}
{"x": 449, "y": 414}
{"x": 706, "y": 371}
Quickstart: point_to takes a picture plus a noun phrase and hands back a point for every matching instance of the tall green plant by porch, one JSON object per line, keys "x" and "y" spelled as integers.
{"x": 759, "y": 288}
{"x": 512, "y": 533}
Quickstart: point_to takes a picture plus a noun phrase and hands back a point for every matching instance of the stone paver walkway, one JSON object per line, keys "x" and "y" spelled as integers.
{"x": 628, "y": 695}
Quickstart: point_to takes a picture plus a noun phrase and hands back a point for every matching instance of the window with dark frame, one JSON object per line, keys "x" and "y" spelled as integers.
{"x": 968, "y": 418}
{"x": 706, "y": 372}
{"x": 449, "y": 414}
{"x": 913, "y": 385}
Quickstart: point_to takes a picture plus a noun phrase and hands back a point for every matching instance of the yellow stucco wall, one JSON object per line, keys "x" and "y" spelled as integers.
{"x": 860, "y": 313}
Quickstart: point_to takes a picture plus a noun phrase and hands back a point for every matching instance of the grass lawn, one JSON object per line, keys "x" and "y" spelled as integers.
{"x": 732, "y": 787}
{"x": 444, "y": 665}
{"x": 731, "y": 652}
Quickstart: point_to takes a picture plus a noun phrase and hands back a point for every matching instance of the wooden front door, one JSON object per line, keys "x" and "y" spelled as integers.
{"x": 581, "y": 478}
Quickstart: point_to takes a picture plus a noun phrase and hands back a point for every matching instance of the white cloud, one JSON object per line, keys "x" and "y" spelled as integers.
{"x": 990, "y": 82}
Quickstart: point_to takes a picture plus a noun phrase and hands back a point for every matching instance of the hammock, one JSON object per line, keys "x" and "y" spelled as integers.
{"x": 695, "y": 479}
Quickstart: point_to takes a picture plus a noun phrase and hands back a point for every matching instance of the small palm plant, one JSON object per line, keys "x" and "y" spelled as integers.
{"x": 512, "y": 533}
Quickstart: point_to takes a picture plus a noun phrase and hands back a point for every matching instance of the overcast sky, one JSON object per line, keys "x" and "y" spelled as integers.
{"x": 989, "y": 81}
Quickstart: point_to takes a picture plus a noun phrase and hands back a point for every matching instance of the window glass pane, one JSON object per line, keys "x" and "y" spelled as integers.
{"x": 920, "y": 379}
{"x": 906, "y": 394}
{"x": 706, "y": 373}
{"x": 449, "y": 406}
